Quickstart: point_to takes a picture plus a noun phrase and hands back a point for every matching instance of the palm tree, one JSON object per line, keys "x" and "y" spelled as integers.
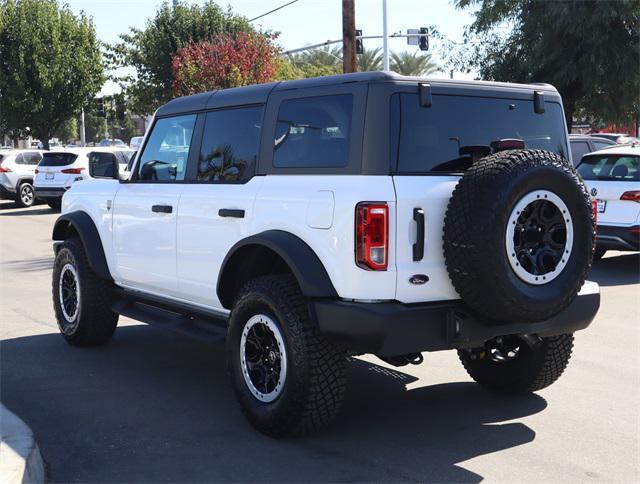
{"x": 327, "y": 57}
{"x": 415, "y": 64}
{"x": 370, "y": 60}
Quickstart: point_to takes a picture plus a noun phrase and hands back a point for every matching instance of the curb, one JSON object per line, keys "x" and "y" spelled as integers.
{"x": 20, "y": 459}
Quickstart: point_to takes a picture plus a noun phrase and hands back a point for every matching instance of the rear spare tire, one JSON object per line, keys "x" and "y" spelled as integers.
{"x": 519, "y": 235}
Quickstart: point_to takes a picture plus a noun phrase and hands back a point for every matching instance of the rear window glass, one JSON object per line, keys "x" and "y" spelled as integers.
{"x": 58, "y": 159}
{"x": 457, "y": 130}
{"x": 614, "y": 167}
{"x": 313, "y": 132}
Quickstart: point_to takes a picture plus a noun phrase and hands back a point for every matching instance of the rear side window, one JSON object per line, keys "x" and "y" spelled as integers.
{"x": 165, "y": 154}
{"x": 456, "y": 130}
{"x": 578, "y": 150}
{"x": 313, "y": 132}
{"x": 58, "y": 159}
{"x": 32, "y": 157}
{"x": 230, "y": 144}
{"x": 614, "y": 168}
{"x": 19, "y": 160}
{"x": 598, "y": 146}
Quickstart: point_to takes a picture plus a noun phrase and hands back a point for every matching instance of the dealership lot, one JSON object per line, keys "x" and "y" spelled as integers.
{"x": 153, "y": 406}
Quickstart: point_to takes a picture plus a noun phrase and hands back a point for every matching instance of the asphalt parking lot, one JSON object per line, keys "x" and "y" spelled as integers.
{"x": 154, "y": 406}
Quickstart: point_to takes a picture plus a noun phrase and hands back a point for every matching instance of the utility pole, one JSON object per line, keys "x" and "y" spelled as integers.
{"x": 349, "y": 60}
{"x": 385, "y": 37}
{"x": 82, "y": 132}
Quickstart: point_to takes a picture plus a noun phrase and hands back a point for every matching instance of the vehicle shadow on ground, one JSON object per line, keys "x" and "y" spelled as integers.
{"x": 28, "y": 265}
{"x": 618, "y": 270}
{"x": 153, "y": 406}
{"x": 20, "y": 212}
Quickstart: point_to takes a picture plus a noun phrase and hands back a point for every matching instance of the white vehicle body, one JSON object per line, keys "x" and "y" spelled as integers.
{"x": 17, "y": 168}
{"x": 61, "y": 168}
{"x": 308, "y": 220}
{"x": 612, "y": 176}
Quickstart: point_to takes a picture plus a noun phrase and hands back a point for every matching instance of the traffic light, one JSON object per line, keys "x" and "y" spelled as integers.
{"x": 359, "y": 46}
{"x": 101, "y": 112}
{"x": 424, "y": 38}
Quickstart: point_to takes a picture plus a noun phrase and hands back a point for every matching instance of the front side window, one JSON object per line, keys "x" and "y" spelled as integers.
{"x": 165, "y": 155}
{"x": 313, "y": 132}
{"x": 230, "y": 144}
{"x": 457, "y": 130}
{"x": 612, "y": 167}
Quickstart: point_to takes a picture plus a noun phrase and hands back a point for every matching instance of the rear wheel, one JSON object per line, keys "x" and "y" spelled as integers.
{"x": 81, "y": 299}
{"x": 515, "y": 364}
{"x": 25, "y": 195}
{"x": 288, "y": 378}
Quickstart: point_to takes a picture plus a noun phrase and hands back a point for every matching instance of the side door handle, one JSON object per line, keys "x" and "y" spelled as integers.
{"x": 162, "y": 208}
{"x": 231, "y": 212}
{"x": 418, "y": 247}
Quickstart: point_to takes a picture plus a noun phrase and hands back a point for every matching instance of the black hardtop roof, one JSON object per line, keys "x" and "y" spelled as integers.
{"x": 259, "y": 93}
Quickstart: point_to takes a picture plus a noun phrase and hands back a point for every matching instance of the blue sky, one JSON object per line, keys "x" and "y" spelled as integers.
{"x": 302, "y": 23}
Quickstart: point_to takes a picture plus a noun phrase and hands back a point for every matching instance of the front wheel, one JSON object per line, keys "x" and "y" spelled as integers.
{"x": 81, "y": 299}
{"x": 515, "y": 364}
{"x": 288, "y": 378}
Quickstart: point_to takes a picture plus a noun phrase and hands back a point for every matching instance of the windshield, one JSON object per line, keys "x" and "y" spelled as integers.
{"x": 457, "y": 130}
{"x": 610, "y": 167}
{"x": 58, "y": 159}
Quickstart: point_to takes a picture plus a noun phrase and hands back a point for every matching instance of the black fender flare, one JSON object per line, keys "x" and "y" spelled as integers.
{"x": 83, "y": 225}
{"x": 312, "y": 277}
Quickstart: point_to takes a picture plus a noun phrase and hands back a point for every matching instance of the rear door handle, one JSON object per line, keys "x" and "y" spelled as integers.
{"x": 231, "y": 212}
{"x": 162, "y": 208}
{"x": 418, "y": 247}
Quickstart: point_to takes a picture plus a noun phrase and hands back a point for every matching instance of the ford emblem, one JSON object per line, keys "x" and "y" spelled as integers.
{"x": 419, "y": 279}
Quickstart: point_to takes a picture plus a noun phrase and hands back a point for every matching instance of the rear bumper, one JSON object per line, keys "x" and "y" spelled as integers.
{"x": 49, "y": 192}
{"x": 612, "y": 237}
{"x": 393, "y": 328}
{"x": 6, "y": 193}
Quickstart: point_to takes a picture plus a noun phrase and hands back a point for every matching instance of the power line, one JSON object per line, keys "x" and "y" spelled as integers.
{"x": 274, "y": 10}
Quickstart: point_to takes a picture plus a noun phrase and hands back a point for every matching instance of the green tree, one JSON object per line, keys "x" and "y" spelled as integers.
{"x": 370, "y": 60}
{"x": 587, "y": 49}
{"x": 322, "y": 61}
{"x": 50, "y": 65}
{"x": 68, "y": 131}
{"x": 412, "y": 64}
{"x": 150, "y": 50}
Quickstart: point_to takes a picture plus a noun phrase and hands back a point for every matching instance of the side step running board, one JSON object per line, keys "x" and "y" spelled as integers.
{"x": 201, "y": 326}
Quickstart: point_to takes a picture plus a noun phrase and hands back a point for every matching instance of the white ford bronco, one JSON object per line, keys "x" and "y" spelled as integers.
{"x": 308, "y": 221}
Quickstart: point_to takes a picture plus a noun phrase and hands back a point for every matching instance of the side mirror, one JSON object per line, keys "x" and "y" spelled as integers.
{"x": 101, "y": 166}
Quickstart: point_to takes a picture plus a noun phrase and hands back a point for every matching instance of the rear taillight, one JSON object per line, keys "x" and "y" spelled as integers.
{"x": 372, "y": 235}
{"x": 594, "y": 210}
{"x": 632, "y": 196}
{"x": 73, "y": 171}
{"x": 4, "y": 170}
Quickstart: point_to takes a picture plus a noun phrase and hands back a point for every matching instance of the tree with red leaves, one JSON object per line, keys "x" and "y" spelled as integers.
{"x": 225, "y": 61}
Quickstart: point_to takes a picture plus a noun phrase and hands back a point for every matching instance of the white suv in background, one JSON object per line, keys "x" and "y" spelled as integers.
{"x": 59, "y": 169}
{"x": 613, "y": 178}
{"x": 17, "y": 169}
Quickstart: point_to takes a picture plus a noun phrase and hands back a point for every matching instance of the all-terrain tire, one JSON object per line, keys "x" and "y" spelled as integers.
{"x": 315, "y": 380}
{"x": 25, "y": 196}
{"x": 475, "y": 235}
{"x": 531, "y": 370}
{"x": 94, "y": 322}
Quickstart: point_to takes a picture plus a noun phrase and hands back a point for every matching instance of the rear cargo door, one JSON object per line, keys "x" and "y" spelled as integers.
{"x": 433, "y": 143}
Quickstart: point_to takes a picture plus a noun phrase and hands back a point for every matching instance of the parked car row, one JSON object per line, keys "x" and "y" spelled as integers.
{"x": 28, "y": 175}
